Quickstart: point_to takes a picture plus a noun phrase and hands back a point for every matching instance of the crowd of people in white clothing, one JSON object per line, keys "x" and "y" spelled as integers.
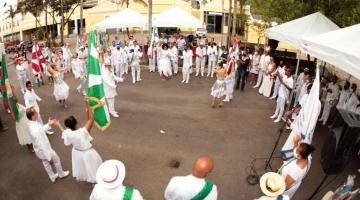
{"x": 233, "y": 68}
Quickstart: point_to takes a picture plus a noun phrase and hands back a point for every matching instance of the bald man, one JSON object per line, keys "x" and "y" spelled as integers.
{"x": 193, "y": 186}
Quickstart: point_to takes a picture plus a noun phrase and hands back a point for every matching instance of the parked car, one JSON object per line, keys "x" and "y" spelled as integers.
{"x": 200, "y": 32}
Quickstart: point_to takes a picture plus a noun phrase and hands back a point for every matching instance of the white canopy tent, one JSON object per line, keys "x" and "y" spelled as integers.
{"x": 176, "y": 17}
{"x": 339, "y": 48}
{"x": 126, "y": 18}
{"x": 294, "y": 31}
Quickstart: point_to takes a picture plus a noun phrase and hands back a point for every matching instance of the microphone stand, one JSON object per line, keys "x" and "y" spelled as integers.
{"x": 280, "y": 131}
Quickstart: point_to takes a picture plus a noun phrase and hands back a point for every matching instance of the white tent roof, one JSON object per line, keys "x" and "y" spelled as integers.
{"x": 176, "y": 17}
{"x": 339, "y": 48}
{"x": 124, "y": 18}
{"x": 292, "y": 32}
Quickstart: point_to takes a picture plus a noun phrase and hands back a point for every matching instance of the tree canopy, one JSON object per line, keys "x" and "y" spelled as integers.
{"x": 342, "y": 12}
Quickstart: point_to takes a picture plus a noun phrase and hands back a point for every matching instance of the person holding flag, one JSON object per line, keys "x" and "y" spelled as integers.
{"x": 95, "y": 87}
{"x": 230, "y": 77}
{"x": 38, "y": 63}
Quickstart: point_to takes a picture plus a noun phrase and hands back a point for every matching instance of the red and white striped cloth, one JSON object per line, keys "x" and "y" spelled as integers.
{"x": 38, "y": 59}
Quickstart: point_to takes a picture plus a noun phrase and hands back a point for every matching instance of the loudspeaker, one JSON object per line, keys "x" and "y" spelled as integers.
{"x": 341, "y": 141}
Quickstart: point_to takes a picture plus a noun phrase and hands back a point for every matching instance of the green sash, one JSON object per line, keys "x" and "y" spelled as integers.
{"x": 205, "y": 191}
{"x": 128, "y": 193}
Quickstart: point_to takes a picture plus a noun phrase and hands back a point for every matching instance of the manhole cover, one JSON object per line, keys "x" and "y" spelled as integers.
{"x": 174, "y": 163}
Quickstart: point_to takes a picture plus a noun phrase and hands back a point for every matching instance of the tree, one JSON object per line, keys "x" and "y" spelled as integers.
{"x": 228, "y": 38}
{"x": 342, "y": 12}
{"x": 34, "y": 7}
{"x": 150, "y": 18}
{"x": 234, "y": 17}
{"x": 127, "y": 2}
{"x": 260, "y": 29}
{"x": 11, "y": 14}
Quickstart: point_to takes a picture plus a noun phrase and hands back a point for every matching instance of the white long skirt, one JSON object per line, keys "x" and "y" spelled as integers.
{"x": 22, "y": 132}
{"x": 165, "y": 67}
{"x": 61, "y": 91}
{"x": 85, "y": 164}
{"x": 266, "y": 86}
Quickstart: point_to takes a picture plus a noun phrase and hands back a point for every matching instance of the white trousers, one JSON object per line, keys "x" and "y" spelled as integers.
{"x": 152, "y": 64}
{"x": 111, "y": 105}
{"x": 135, "y": 72}
{"x": 82, "y": 86}
{"x": 276, "y": 88}
{"x": 22, "y": 78}
{"x": 126, "y": 68}
{"x": 230, "y": 82}
{"x": 119, "y": 69}
{"x": 186, "y": 73}
{"x": 280, "y": 106}
{"x": 326, "y": 111}
{"x": 260, "y": 78}
{"x": 211, "y": 67}
{"x": 67, "y": 63}
{"x": 175, "y": 65}
{"x": 55, "y": 158}
{"x": 200, "y": 66}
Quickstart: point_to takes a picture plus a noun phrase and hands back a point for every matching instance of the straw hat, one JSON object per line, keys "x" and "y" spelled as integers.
{"x": 110, "y": 174}
{"x": 272, "y": 184}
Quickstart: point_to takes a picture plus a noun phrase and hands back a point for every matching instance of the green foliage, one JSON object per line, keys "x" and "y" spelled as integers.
{"x": 40, "y": 33}
{"x": 342, "y": 12}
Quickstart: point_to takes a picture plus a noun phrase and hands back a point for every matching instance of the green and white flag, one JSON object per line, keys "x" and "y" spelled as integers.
{"x": 95, "y": 88}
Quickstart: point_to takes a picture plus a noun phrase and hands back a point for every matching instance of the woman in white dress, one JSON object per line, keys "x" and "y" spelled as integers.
{"x": 22, "y": 129}
{"x": 295, "y": 170}
{"x": 165, "y": 63}
{"x": 254, "y": 68}
{"x": 265, "y": 88}
{"x": 85, "y": 160}
{"x": 61, "y": 89}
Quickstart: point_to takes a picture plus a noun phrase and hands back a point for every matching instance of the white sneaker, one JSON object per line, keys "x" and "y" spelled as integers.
{"x": 208, "y": 75}
{"x": 183, "y": 81}
{"x": 133, "y": 81}
{"x": 139, "y": 80}
{"x": 273, "y": 117}
{"x": 272, "y": 97}
{"x": 255, "y": 86}
{"x": 114, "y": 115}
{"x": 49, "y": 132}
{"x": 66, "y": 173}
{"x": 277, "y": 120}
{"x": 53, "y": 179}
{"x": 226, "y": 100}
{"x": 187, "y": 82}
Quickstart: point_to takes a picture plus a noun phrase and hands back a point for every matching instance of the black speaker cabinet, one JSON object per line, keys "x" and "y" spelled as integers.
{"x": 340, "y": 142}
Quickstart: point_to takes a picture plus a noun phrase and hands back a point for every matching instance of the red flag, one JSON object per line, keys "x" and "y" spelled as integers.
{"x": 37, "y": 58}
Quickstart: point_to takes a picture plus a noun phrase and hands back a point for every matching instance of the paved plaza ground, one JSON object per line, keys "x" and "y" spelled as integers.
{"x": 232, "y": 136}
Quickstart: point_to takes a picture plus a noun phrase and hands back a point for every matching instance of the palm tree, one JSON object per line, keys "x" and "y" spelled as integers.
{"x": 228, "y": 38}
{"x": 11, "y": 16}
{"x": 127, "y": 2}
{"x": 234, "y": 18}
{"x": 150, "y": 18}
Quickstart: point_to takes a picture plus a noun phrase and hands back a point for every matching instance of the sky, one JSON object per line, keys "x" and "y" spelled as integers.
{"x": 4, "y": 9}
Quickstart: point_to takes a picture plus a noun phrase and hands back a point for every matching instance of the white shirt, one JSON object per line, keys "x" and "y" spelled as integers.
{"x": 264, "y": 62}
{"x": 334, "y": 91}
{"x": 344, "y": 96}
{"x": 174, "y": 52}
{"x": 66, "y": 52}
{"x": 283, "y": 91}
{"x": 119, "y": 55}
{"x": 200, "y": 52}
{"x": 82, "y": 55}
{"x": 101, "y": 193}
{"x": 40, "y": 141}
{"x": 212, "y": 52}
{"x": 187, "y": 187}
{"x": 187, "y": 56}
{"x": 31, "y": 99}
{"x": 352, "y": 102}
{"x": 109, "y": 80}
{"x": 134, "y": 58}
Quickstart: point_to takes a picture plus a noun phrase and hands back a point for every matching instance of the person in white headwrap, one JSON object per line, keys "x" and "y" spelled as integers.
{"x": 187, "y": 63}
{"x": 66, "y": 56}
{"x": 109, "y": 183}
{"x": 134, "y": 57}
{"x": 353, "y": 101}
{"x": 268, "y": 79}
{"x": 280, "y": 71}
{"x": 264, "y": 63}
{"x": 212, "y": 52}
{"x": 331, "y": 97}
{"x": 344, "y": 96}
{"x": 174, "y": 57}
{"x": 165, "y": 62}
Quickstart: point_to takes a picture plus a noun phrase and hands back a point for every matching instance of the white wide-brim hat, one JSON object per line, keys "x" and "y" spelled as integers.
{"x": 110, "y": 174}
{"x": 272, "y": 184}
